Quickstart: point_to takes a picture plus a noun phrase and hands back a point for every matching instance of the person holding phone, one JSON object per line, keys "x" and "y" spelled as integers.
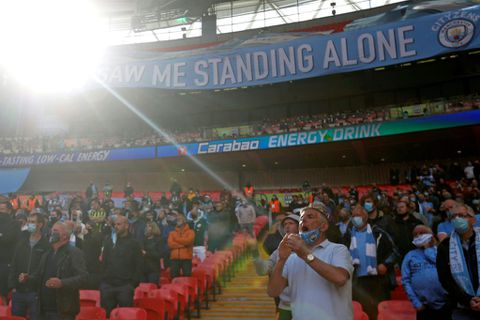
{"x": 317, "y": 271}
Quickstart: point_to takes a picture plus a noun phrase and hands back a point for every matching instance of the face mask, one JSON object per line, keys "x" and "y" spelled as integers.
{"x": 422, "y": 240}
{"x": 180, "y": 223}
{"x": 460, "y": 225}
{"x": 368, "y": 206}
{"x": 357, "y": 221}
{"x": 309, "y": 237}
{"x": 54, "y": 237}
{"x": 31, "y": 227}
{"x": 132, "y": 220}
{"x": 53, "y": 219}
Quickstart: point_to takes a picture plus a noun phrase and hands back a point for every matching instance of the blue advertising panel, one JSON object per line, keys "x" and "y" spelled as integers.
{"x": 104, "y": 155}
{"x": 303, "y": 57}
{"x": 363, "y": 131}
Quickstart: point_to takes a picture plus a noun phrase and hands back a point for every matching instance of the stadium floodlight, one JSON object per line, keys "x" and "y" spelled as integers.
{"x": 50, "y": 45}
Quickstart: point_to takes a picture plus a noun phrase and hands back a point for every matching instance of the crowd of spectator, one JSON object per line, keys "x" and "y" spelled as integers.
{"x": 348, "y": 245}
{"x": 56, "y": 143}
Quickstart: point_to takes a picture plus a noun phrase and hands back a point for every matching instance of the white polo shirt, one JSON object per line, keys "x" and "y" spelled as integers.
{"x": 312, "y": 296}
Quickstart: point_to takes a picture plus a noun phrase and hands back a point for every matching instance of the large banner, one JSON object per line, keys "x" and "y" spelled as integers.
{"x": 371, "y": 130}
{"x": 77, "y": 156}
{"x": 301, "y": 56}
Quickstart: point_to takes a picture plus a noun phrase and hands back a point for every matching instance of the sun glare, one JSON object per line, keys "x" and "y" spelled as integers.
{"x": 50, "y": 45}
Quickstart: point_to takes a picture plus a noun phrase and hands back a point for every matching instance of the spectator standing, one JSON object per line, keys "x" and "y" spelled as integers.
{"x": 275, "y": 206}
{"x": 344, "y": 218}
{"x": 180, "y": 242}
{"x": 289, "y": 224}
{"x": 374, "y": 255}
{"x": 198, "y": 223}
{"x": 128, "y": 191}
{"x": 219, "y": 228}
{"x": 92, "y": 248}
{"x": 318, "y": 272}
{"x": 458, "y": 264}
{"x": 400, "y": 228}
{"x": 246, "y": 215}
{"x": 469, "y": 171}
{"x": 60, "y": 276}
{"x": 26, "y": 261}
{"x": 274, "y": 236}
{"x": 420, "y": 279}
{"x": 375, "y": 215}
{"x": 107, "y": 190}
{"x": 137, "y": 223}
{"x": 9, "y": 235}
{"x": 122, "y": 268}
{"x": 153, "y": 253}
{"x": 91, "y": 191}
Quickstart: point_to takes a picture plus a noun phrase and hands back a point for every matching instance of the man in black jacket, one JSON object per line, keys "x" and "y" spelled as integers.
{"x": 460, "y": 253}
{"x": 371, "y": 283}
{"x": 61, "y": 274}
{"x": 26, "y": 261}
{"x": 122, "y": 268}
{"x": 9, "y": 233}
{"x": 400, "y": 228}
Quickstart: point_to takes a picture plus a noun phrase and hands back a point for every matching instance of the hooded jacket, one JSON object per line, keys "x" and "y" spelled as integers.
{"x": 180, "y": 242}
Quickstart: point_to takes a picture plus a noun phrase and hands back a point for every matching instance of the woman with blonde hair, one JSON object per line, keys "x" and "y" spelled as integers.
{"x": 154, "y": 250}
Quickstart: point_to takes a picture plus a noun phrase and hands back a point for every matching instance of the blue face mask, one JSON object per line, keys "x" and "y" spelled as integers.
{"x": 460, "y": 225}
{"x": 31, "y": 227}
{"x": 309, "y": 237}
{"x": 368, "y": 206}
{"x": 357, "y": 222}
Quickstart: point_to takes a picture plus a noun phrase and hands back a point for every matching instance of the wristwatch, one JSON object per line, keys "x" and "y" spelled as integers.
{"x": 310, "y": 258}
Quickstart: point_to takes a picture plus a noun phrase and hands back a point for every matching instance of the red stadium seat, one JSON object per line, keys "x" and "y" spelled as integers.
{"x": 147, "y": 286}
{"x": 196, "y": 261}
{"x": 5, "y": 311}
{"x": 211, "y": 274}
{"x": 142, "y": 290}
{"x": 172, "y": 303}
{"x": 202, "y": 278}
{"x": 128, "y": 314}
{"x": 89, "y": 298}
{"x": 396, "y": 309}
{"x": 398, "y": 294}
{"x": 155, "y": 306}
{"x": 192, "y": 284}
{"x": 183, "y": 294}
{"x": 357, "y": 310}
{"x": 91, "y": 313}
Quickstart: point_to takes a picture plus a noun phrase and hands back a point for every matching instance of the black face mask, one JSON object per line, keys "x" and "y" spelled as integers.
{"x": 54, "y": 237}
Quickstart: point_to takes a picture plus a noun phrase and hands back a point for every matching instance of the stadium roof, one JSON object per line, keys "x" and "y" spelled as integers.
{"x": 138, "y": 21}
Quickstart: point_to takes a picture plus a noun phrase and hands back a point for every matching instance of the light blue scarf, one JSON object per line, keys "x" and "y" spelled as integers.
{"x": 370, "y": 248}
{"x": 458, "y": 265}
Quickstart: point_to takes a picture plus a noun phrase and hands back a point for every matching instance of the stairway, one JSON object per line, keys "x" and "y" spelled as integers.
{"x": 244, "y": 297}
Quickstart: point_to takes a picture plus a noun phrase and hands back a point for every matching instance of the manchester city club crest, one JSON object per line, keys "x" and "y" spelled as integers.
{"x": 456, "y": 33}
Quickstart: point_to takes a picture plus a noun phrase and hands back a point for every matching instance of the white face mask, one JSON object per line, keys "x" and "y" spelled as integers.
{"x": 421, "y": 240}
